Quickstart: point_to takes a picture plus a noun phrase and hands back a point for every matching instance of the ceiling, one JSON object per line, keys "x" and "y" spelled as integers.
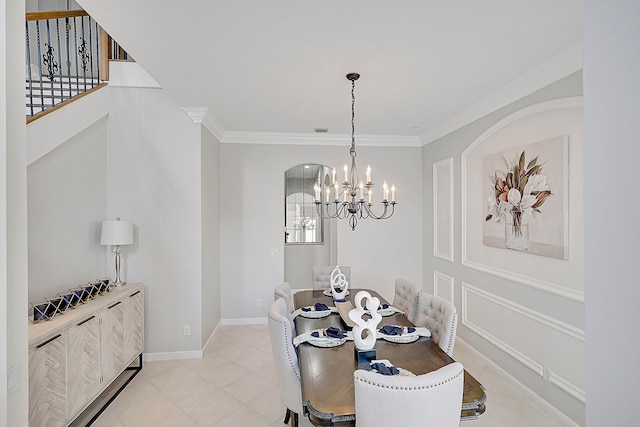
{"x": 278, "y": 67}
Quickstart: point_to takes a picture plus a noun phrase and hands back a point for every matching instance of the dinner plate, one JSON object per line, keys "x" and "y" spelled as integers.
{"x": 324, "y": 341}
{"x": 387, "y": 311}
{"x": 328, "y": 293}
{"x": 315, "y": 314}
{"x": 401, "y": 339}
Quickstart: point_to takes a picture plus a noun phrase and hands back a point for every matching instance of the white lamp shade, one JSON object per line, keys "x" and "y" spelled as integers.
{"x": 116, "y": 233}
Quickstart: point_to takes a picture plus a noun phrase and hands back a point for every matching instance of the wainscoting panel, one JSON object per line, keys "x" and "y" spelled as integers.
{"x": 443, "y": 209}
{"x": 551, "y": 348}
{"x": 443, "y": 286}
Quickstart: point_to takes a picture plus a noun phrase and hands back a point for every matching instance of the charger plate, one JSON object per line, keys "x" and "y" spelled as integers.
{"x": 328, "y": 293}
{"x": 326, "y": 342}
{"x": 315, "y": 314}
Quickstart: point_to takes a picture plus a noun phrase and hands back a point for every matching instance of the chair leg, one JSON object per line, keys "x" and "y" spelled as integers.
{"x": 294, "y": 419}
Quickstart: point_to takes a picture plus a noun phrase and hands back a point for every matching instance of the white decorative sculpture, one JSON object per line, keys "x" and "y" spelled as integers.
{"x": 361, "y": 324}
{"x": 339, "y": 284}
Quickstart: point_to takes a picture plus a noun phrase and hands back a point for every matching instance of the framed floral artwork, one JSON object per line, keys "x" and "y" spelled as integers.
{"x": 526, "y": 196}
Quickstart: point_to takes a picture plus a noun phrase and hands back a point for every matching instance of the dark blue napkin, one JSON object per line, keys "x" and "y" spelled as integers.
{"x": 384, "y": 369}
{"x": 395, "y": 330}
{"x": 380, "y": 307}
{"x": 318, "y": 307}
{"x": 331, "y": 332}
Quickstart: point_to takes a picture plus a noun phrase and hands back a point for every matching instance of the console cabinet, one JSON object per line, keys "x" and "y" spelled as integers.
{"x": 75, "y": 356}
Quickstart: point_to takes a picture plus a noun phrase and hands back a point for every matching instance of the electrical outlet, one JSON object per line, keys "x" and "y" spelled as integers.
{"x": 274, "y": 252}
{"x": 187, "y": 330}
{"x": 259, "y": 302}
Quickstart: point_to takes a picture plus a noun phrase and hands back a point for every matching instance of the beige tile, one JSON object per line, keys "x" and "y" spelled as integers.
{"x": 190, "y": 391}
{"x": 268, "y": 372}
{"x": 148, "y": 412}
{"x": 249, "y": 387}
{"x": 212, "y": 408}
{"x": 268, "y": 404}
{"x": 225, "y": 374}
{"x": 206, "y": 364}
{"x": 152, "y": 368}
{"x": 138, "y": 390}
{"x": 531, "y": 415}
{"x": 172, "y": 377}
{"x": 242, "y": 416}
{"x": 254, "y": 361}
{"x": 235, "y": 350}
{"x": 107, "y": 420}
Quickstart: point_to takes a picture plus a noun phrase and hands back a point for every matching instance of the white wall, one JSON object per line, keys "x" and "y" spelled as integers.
{"x": 612, "y": 108}
{"x": 67, "y": 202}
{"x": 495, "y": 308}
{"x": 252, "y": 220}
{"x": 210, "y": 234}
{"x": 154, "y": 180}
{"x": 13, "y": 219}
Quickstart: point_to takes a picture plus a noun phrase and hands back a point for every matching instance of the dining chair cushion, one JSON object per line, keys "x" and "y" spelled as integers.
{"x": 284, "y": 356}
{"x": 321, "y": 275}
{"x": 406, "y": 297}
{"x": 433, "y": 399}
{"x": 284, "y": 291}
{"x": 440, "y": 317}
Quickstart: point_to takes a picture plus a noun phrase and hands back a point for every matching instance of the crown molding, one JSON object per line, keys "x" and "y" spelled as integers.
{"x": 283, "y": 138}
{"x": 203, "y": 116}
{"x": 561, "y": 65}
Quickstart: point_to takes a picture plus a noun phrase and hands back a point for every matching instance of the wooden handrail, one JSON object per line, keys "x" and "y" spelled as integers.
{"x": 54, "y": 14}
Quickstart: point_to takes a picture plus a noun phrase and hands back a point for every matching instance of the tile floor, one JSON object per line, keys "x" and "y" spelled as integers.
{"x": 235, "y": 385}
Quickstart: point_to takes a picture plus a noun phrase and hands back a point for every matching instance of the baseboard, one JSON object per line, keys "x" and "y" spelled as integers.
{"x": 546, "y": 406}
{"x": 172, "y": 355}
{"x": 244, "y": 321}
{"x": 213, "y": 334}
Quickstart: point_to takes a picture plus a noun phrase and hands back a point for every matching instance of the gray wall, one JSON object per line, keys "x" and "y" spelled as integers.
{"x": 483, "y": 298}
{"x": 66, "y": 204}
{"x": 612, "y": 108}
{"x": 210, "y": 166}
{"x": 252, "y": 220}
{"x": 154, "y": 180}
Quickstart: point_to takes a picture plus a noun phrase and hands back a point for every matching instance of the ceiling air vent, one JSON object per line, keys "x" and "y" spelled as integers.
{"x": 321, "y": 130}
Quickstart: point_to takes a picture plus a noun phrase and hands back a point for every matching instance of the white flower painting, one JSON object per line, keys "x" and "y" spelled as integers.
{"x": 526, "y": 196}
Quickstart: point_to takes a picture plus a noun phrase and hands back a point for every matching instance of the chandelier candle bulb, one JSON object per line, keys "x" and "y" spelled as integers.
{"x": 368, "y": 174}
{"x": 385, "y": 192}
{"x": 346, "y": 173}
{"x": 361, "y": 190}
{"x": 328, "y": 192}
{"x": 333, "y": 176}
{"x": 393, "y": 193}
{"x": 369, "y": 193}
{"x": 335, "y": 186}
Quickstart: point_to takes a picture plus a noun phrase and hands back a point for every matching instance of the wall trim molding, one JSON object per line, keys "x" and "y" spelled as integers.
{"x": 561, "y": 65}
{"x": 549, "y": 408}
{"x": 565, "y": 328}
{"x": 550, "y": 287}
{"x": 285, "y": 138}
{"x": 443, "y": 164}
{"x": 437, "y": 275}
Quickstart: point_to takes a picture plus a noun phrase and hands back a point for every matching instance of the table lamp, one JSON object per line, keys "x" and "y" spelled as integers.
{"x": 117, "y": 233}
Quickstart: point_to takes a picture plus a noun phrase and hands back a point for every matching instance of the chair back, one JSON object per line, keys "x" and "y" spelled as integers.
{"x": 433, "y": 399}
{"x": 440, "y": 317}
{"x": 284, "y": 291}
{"x": 285, "y": 356}
{"x": 321, "y": 275}
{"x": 406, "y": 297}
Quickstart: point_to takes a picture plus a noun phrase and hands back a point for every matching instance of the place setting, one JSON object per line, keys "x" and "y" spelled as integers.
{"x": 324, "y": 337}
{"x": 316, "y": 311}
{"x": 384, "y": 367}
{"x": 402, "y": 334}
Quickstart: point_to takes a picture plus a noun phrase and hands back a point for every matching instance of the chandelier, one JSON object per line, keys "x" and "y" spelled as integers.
{"x": 352, "y": 190}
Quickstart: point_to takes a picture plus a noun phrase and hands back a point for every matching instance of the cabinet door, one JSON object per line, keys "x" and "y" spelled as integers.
{"x": 84, "y": 363}
{"x": 112, "y": 333}
{"x": 133, "y": 326}
{"x": 48, "y": 383}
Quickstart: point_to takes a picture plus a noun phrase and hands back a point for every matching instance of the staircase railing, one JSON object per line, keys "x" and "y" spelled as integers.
{"x": 67, "y": 55}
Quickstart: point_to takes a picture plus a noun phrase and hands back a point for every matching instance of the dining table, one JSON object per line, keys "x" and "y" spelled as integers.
{"x": 327, "y": 373}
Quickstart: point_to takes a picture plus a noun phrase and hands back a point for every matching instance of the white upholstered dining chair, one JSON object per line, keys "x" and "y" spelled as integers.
{"x": 286, "y": 360}
{"x": 440, "y": 317}
{"x": 321, "y": 275}
{"x": 406, "y": 297}
{"x": 433, "y": 399}
{"x": 284, "y": 291}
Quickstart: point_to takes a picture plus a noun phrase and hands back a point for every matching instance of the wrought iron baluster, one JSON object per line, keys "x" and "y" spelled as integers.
{"x": 82, "y": 52}
{"x": 50, "y": 62}
{"x": 59, "y": 59}
{"x": 75, "y": 43}
{"x": 29, "y": 65}
{"x": 41, "y": 87}
{"x": 90, "y": 51}
{"x": 98, "y": 50}
{"x": 67, "y": 27}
